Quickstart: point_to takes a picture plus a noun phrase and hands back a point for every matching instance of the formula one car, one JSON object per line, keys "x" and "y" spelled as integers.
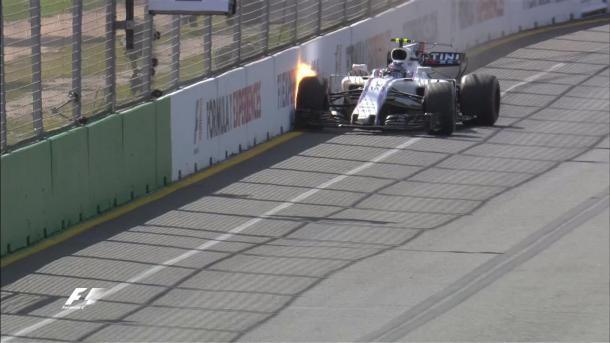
{"x": 403, "y": 95}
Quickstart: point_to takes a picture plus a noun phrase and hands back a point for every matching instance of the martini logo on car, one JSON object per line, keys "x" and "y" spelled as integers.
{"x": 442, "y": 59}
{"x": 78, "y": 300}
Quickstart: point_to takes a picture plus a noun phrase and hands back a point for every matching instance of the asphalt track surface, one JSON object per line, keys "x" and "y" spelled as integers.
{"x": 495, "y": 234}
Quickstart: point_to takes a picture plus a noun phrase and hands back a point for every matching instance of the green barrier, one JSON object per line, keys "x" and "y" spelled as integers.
{"x": 26, "y": 196}
{"x": 164, "y": 142}
{"x": 73, "y": 176}
{"x": 7, "y": 236}
{"x": 70, "y": 173}
{"x": 106, "y": 163}
{"x": 139, "y": 149}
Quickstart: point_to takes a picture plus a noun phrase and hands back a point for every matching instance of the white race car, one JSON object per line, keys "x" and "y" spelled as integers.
{"x": 403, "y": 95}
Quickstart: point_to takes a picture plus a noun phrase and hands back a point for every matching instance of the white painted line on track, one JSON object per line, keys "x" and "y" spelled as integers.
{"x": 236, "y": 230}
{"x": 534, "y": 77}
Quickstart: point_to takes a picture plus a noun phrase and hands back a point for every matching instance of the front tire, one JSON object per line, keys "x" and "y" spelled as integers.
{"x": 480, "y": 98}
{"x": 439, "y": 101}
{"x": 312, "y": 100}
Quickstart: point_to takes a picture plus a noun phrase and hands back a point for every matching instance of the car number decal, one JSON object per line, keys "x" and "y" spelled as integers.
{"x": 372, "y": 97}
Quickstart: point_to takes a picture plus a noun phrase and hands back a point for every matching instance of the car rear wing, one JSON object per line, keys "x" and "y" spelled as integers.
{"x": 442, "y": 59}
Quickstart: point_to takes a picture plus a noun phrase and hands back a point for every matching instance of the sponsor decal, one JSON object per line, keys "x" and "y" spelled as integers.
{"x": 78, "y": 300}
{"x": 247, "y": 104}
{"x": 442, "y": 59}
{"x": 199, "y": 112}
{"x": 372, "y": 97}
{"x": 286, "y": 85}
{"x": 219, "y": 115}
{"x": 228, "y": 112}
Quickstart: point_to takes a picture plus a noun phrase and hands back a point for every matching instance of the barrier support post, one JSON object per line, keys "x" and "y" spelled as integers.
{"x": 175, "y": 66}
{"x": 147, "y": 47}
{"x": 3, "y": 130}
{"x": 207, "y": 44}
{"x": 36, "y": 41}
{"x": 267, "y": 26}
{"x": 295, "y": 36}
{"x": 110, "y": 79}
{"x": 77, "y": 32}
{"x": 319, "y": 18}
{"x": 238, "y": 28}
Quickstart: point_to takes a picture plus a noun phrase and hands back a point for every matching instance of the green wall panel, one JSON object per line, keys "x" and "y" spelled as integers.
{"x": 106, "y": 164}
{"x": 26, "y": 188}
{"x": 139, "y": 149}
{"x": 73, "y": 176}
{"x": 70, "y": 178}
{"x": 164, "y": 142}
{"x": 7, "y": 191}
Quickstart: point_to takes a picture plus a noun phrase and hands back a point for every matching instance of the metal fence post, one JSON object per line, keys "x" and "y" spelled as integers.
{"x": 239, "y": 19}
{"x": 36, "y": 67}
{"x": 175, "y": 67}
{"x": 147, "y": 47}
{"x": 3, "y": 130}
{"x": 207, "y": 43}
{"x": 344, "y": 11}
{"x": 319, "y": 17}
{"x": 267, "y": 24}
{"x": 369, "y": 8}
{"x": 110, "y": 86}
{"x": 77, "y": 26}
{"x": 295, "y": 37}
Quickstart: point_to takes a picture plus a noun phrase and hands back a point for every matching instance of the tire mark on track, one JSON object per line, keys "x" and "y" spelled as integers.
{"x": 490, "y": 271}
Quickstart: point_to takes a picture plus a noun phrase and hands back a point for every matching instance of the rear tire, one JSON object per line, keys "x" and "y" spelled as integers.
{"x": 312, "y": 100}
{"x": 439, "y": 100}
{"x": 480, "y": 97}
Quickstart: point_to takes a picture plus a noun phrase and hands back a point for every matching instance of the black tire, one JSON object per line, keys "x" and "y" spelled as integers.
{"x": 480, "y": 97}
{"x": 312, "y": 100}
{"x": 439, "y": 100}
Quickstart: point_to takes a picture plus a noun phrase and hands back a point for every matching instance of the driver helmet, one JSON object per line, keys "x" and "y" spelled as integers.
{"x": 400, "y": 57}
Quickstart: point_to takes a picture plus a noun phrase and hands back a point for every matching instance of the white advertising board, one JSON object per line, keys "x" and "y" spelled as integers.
{"x": 226, "y": 131}
{"x": 190, "y": 127}
{"x": 370, "y": 43}
{"x": 260, "y": 75}
{"x": 528, "y": 14}
{"x": 223, "y": 116}
{"x": 326, "y": 54}
{"x": 475, "y": 22}
{"x": 587, "y": 7}
{"x": 220, "y": 117}
{"x": 284, "y": 71}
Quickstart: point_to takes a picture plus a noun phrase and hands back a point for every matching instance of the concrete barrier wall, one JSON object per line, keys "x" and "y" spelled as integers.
{"x": 73, "y": 176}
{"x": 54, "y": 184}
{"x": 219, "y": 117}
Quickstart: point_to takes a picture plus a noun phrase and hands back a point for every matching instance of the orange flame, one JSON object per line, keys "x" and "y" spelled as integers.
{"x": 303, "y": 71}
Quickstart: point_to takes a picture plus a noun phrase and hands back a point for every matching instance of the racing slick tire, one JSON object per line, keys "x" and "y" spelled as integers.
{"x": 480, "y": 98}
{"x": 439, "y": 101}
{"x": 312, "y": 101}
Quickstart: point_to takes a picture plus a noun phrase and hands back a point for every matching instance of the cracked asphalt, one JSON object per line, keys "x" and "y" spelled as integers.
{"x": 493, "y": 234}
